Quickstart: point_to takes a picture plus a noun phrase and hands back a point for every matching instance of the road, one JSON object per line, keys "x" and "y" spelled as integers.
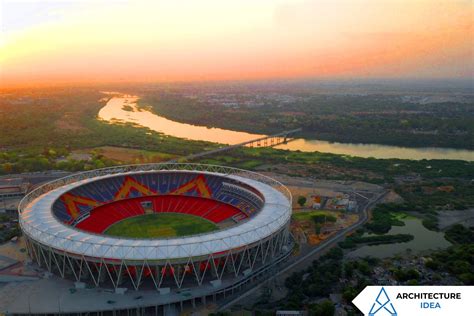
{"x": 36, "y": 178}
{"x": 339, "y": 236}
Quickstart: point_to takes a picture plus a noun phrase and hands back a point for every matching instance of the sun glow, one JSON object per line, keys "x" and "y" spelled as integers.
{"x": 212, "y": 40}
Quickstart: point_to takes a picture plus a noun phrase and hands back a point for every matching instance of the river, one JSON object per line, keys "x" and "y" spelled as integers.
{"x": 423, "y": 241}
{"x": 123, "y": 108}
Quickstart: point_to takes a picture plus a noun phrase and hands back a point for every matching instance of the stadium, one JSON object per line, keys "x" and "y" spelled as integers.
{"x": 165, "y": 227}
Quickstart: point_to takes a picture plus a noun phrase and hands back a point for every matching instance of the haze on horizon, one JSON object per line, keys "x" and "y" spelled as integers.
{"x": 86, "y": 41}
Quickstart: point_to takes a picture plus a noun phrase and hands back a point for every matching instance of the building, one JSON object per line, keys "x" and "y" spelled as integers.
{"x": 11, "y": 188}
{"x": 64, "y": 223}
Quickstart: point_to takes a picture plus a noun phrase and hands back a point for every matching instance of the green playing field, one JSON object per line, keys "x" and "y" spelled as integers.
{"x": 160, "y": 225}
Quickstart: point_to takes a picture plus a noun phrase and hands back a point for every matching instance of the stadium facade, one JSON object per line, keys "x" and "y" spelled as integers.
{"x": 64, "y": 223}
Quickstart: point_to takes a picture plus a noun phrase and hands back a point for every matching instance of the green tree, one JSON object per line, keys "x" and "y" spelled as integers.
{"x": 348, "y": 270}
{"x": 301, "y": 200}
{"x": 317, "y": 228}
{"x": 458, "y": 234}
{"x": 349, "y": 293}
{"x": 325, "y": 308}
{"x": 364, "y": 267}
{"x": 323, "y": 218}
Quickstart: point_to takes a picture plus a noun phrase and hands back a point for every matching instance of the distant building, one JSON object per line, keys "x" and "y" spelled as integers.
{"x": 352, "y": 206}
{"x": 342, "y": 202}
{"x": 12, "y": 188}
{"x": 10, "y": 206}
{"x": 317, "y": 202}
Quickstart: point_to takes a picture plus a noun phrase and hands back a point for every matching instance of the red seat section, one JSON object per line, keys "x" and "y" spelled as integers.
{"x": 222, "y": 212}
{"x": 104, "y": 216}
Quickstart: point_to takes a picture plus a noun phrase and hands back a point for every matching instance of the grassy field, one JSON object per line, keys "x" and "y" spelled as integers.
{"x": 309, "y": 214}
{"x": 160, "y": 226}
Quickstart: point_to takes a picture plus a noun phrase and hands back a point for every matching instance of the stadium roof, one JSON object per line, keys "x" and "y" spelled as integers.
{"x": 40, "y": 224}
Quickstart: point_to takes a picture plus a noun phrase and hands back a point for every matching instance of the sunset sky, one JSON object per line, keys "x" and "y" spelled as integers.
{"x": 184, "y": 40}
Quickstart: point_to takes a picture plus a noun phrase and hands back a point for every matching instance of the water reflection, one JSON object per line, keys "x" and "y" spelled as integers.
{"x": 378, "y": 151}
{"x": 424, "y": 240}
{"x": 124, "y": 108}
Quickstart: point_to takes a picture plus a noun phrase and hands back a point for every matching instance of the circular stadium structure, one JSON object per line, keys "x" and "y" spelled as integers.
{"x": 158, "y": 226}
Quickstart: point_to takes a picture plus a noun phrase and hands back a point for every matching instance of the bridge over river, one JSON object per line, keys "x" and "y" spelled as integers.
{"x": 267, "y": 141}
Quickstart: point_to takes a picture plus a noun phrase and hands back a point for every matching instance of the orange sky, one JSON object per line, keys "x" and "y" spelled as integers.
{"x": 182, "y": 40}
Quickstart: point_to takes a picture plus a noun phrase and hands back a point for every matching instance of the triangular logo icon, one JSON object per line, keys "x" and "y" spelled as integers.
{"x": 382, "y": 305}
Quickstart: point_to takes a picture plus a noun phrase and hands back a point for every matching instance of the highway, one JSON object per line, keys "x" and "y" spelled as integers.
{"x": 339, "y": 236}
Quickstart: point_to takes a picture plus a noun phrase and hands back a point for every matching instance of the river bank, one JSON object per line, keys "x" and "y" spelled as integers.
{"x": 124, "y": 109}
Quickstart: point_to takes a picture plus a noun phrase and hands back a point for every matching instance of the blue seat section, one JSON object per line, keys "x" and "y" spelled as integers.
{"x": 61, "y": 212}
{"x": 170, "y": 182}
{"x": 228, "y": 199}
{"x": 214, "y": 184}
{"x": 241, "y": 196}
{"x": 226, "y": 190}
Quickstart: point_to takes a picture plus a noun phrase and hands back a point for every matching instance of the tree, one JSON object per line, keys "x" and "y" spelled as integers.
{"x": 7, "y": 168}
{"x": 458, "y": 234}
{"x": 317, "y": 228}
{"x": 325, "y": 308}
{"x": 349, "y": 293}
{"x": 323, "y": 218}
{"x": 407, "y": 274}
{"x": 348, "y": 269}
{"x": 301, "y": 200}
{"x": 364, "y": 267}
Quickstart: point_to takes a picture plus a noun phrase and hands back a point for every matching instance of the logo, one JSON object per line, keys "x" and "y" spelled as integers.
{"x": 439, "y": 300}
{"x": 382, "y": 305}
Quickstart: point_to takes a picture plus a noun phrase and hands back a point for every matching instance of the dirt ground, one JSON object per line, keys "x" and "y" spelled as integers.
{"x": 392, "y": 197}
{"x": 304, "y": 230}
{"x": 333, "y": 185}
{"x": 327, "y": 170}
{"x": 13, "y": 250}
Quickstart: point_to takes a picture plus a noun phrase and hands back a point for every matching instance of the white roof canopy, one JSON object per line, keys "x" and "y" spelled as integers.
{"x": 38, "y": 222}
